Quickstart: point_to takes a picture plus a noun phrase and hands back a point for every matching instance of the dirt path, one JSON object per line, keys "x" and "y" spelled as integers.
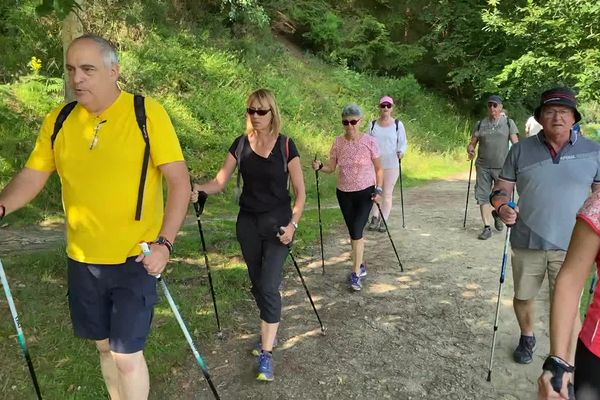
{"x": 421, "y": 334}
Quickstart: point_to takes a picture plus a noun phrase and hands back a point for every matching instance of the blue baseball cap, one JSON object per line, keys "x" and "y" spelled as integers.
{"x": 495, "y": 99}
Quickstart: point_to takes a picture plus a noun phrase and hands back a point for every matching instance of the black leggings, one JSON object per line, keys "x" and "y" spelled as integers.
{"x": 587, "y": 374}
{"x": 356, "y": 207}
{"x": 264, "y": 255}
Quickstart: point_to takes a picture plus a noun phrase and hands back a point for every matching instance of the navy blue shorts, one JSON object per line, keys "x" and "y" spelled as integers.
{"x": 114, "y": 302}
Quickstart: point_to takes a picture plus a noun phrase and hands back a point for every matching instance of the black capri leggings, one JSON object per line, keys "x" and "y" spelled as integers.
{"x": 587, "y": 374}
{"x": 264, "y": 255}
{"x": 356, "y": 207}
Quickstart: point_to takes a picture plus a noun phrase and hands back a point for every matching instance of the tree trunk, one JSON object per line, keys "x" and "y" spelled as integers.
{"x": 71, "y": 29}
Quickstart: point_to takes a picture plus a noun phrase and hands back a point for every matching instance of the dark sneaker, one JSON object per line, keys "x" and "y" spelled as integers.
{"x": 498, "y": 224}
{"x": 258, "y": 346}
{"x": 524, "y": 352}
{"x": 381, "y": 227}
{"x": 363, "y": 271}
{"x": 265, "y": 367}
{"x": 372, "y": 225}
{"x": 355, "y": 282}
{"x": 486, "y": 233}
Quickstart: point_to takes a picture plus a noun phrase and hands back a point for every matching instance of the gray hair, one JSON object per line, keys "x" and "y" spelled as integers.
{"x": 108, "y": 50}
{"x": 352, "y": 110}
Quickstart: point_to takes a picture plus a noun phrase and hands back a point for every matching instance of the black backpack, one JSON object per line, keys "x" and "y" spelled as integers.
{"x": 140, "y": 116}
{"x": 396, "y": 121}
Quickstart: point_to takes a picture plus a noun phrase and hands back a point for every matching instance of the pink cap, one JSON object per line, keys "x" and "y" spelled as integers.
{"x": 386, "y": 99}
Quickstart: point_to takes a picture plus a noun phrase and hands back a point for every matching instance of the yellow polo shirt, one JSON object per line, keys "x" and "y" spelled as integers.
{"x": 99, "y": 161}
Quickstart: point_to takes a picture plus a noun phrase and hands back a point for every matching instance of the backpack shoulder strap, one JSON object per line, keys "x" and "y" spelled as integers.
{"x": 372, "y": 126}
{"x": 60, "y": 119}
{"x": 397, "y": 122}
{"x": 478, "y": 125}
{"x": 284, "y": 145}
{"x": 140, "y": 117}
{"x": 239, "y": 149}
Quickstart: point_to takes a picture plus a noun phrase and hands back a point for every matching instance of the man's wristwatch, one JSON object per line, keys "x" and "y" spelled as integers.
{"x": 294, "y": 224}
{"x": 163, "y": 241}
{"x": 378, "y": 190}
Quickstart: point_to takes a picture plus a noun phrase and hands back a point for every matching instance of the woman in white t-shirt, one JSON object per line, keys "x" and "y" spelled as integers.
{"x": 391, "y": 138}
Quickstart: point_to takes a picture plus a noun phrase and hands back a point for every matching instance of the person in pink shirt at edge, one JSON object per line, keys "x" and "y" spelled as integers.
{"x": 584, "y": 249}
{"x": 391, "y": 138}
{"x": 359, "y": 182}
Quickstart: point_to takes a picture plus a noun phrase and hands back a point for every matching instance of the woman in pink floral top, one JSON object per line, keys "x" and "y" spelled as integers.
{"x": 584, "y": 249}
{"x": 356, "y": 156}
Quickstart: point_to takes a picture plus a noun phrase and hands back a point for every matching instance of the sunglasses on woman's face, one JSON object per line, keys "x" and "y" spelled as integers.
{"x": 386, "y": 105}
{"x": 252, "y": 111}
{"x": 352, "y": 122}
{"x": 492, "y": 105}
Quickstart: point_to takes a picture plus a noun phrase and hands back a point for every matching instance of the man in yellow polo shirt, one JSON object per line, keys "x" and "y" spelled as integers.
{"x": 99, "y": 155}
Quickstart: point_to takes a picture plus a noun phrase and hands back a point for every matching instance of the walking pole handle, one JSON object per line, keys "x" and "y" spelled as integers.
{"x": 199, "y": 205}
{"x": 512, "y": 205}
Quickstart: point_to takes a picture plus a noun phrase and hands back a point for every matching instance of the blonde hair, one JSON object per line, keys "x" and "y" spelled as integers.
{"x": 266, "y": 98}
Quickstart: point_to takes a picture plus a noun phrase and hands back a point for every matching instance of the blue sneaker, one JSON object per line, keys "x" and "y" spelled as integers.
{"x": 265, "y": 367}
{"x": 258, "y": 346}
{"x": 355, "y": 282}
{"x": 363, "y": 271}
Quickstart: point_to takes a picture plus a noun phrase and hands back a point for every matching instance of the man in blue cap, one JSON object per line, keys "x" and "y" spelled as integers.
{"x": 553, "y": 173}
{"x": 492, "y": 134}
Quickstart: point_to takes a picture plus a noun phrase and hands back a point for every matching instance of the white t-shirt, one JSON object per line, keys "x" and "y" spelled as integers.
{"x": 390, "y": 143}
{"x": 532, "y": 127}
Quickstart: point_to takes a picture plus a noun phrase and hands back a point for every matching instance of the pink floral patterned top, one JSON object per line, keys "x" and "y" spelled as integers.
{"x": 590, "y": 333}
{"x": 355, "y": 161}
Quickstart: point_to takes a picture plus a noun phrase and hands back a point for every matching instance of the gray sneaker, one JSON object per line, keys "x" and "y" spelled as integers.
{"x": 373, "y": 224}
{"x": 486, "y": 233}
{"x": 498, "y": 224}
{"x": 523, "y": 354}
{"x": 381, "y": 227}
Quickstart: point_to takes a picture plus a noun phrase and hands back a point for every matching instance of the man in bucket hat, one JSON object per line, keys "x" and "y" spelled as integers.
{"x": 553, "y": 172}
{"x": 491, "y": 135}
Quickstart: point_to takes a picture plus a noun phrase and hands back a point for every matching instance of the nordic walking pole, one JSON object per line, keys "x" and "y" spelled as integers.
{"x": 390, "y": 236}
{"x": 312, "y": 303}
{"x": 468, "y": 191}
{"x": 320, "y": 223}
{"x": 401, "y": 195}
{"x": 511, "y": 204}
{"x": 181, "y": 322}
{"x": 199, "y": 208}
{"x": 20, "y": 334}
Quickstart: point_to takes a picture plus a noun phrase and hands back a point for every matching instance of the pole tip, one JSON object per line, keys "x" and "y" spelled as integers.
{"x": 489, "y": 377}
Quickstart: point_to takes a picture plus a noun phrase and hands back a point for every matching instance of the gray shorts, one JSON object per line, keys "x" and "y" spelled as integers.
{"x": 484, "y": 182}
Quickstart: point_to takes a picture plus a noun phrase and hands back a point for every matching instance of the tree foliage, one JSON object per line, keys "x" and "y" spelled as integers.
{"x": 550, "y": 41}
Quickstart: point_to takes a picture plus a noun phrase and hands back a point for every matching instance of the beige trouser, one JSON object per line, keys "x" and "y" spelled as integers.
{"x": 530, "y": 268}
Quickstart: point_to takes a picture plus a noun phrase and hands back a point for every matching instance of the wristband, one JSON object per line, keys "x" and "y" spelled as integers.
{"x": 3, "y": 212}
{"x": 557, "y": 367}
{"x": 163, "y": 241}
{"x": 378, "y": 190}
{"x": 497, "y": 193}
{"x": 295, "y": 225}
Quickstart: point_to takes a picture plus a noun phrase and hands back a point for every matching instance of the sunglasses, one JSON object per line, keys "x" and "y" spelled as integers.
{"x": 492, "y": 105}
{"x": 252, "y": 111}
{"x": 352, "y": 122}
{"x": 386, "y": 105}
